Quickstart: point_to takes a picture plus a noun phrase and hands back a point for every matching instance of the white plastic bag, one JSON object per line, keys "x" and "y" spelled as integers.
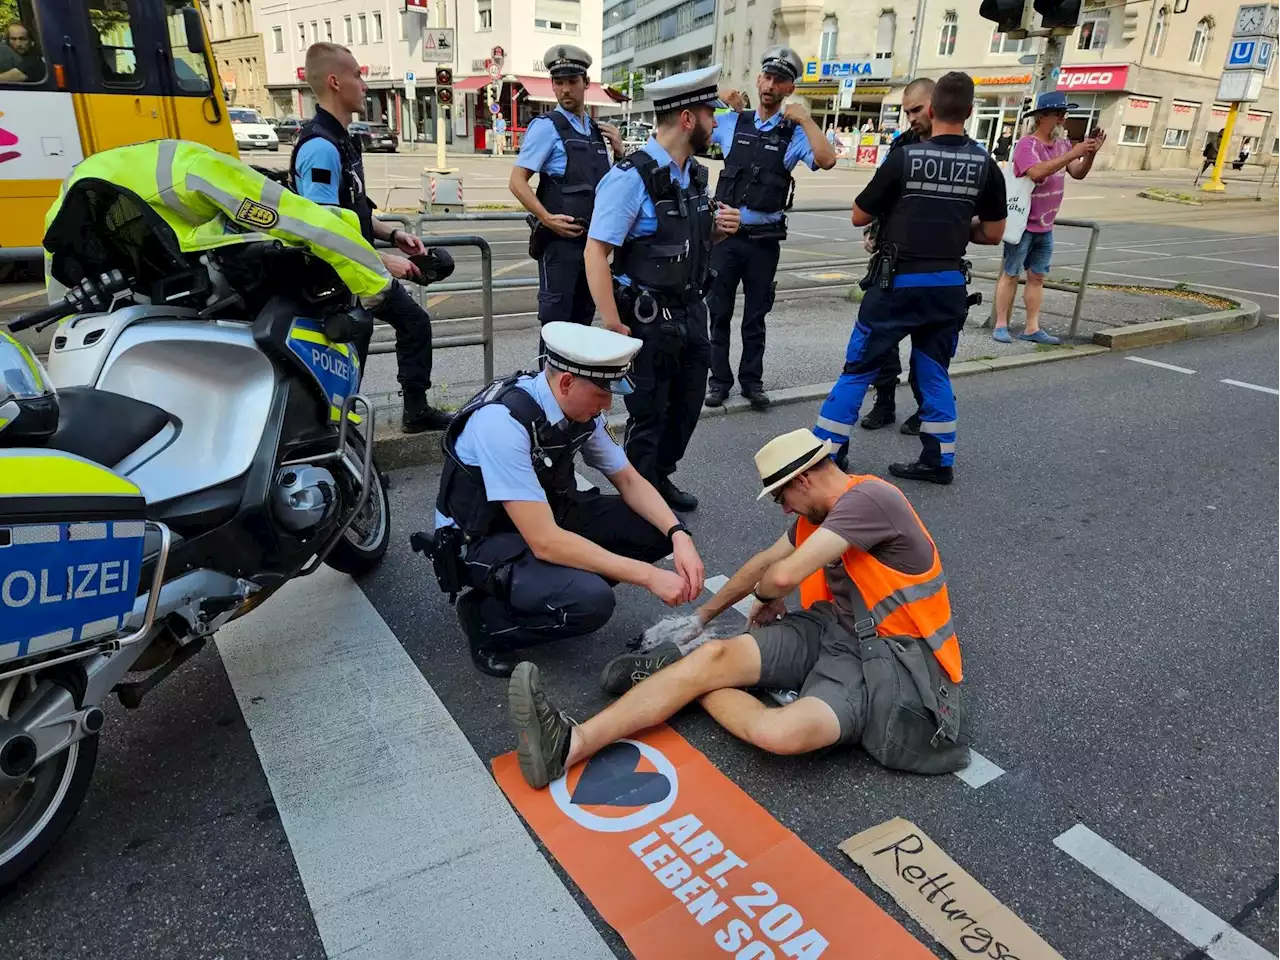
{"x": 1018, "y": 193}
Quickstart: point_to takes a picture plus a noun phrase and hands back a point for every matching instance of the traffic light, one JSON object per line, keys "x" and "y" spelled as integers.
{"x": 444, "y": 77}
{"x": 1058, "y": 13}
{"x": 444, "y": 96}
{"x": 1006, "y": 14}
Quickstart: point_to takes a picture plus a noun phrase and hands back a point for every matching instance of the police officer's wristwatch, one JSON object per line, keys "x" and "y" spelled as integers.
{"x": 678, "y": 528}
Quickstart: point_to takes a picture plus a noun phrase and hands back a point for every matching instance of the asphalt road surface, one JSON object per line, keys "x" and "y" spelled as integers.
{"x": 1110, "y": 544}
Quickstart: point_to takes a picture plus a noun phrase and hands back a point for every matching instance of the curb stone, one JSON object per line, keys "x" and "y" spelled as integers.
{"x": 1244, "y": 316}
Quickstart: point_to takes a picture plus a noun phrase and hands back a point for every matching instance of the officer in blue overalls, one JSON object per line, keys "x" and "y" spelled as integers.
{"x": 934, "y": 198}
{"x": 537, "y": 556}
{"x": 654, "y": 216}
{"x": 327, "y": 167}
{"x": 570, "y": 153}
{"x": 760, "y": 147}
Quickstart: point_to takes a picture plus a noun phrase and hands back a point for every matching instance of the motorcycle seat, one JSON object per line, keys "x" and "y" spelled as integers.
{"x": 102, "y": 426}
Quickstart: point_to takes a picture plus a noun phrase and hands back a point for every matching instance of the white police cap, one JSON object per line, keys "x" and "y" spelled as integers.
{"x": 689, "y": 89}
{"x": 566, "y": 60}
{"x": 782, "y": 61}
{"x": 597, "y": 354}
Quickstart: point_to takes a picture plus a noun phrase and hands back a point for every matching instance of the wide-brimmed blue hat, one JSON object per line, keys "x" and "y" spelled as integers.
{"x": 1053, "y": 100}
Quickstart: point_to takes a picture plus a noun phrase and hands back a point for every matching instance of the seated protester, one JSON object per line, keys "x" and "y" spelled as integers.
{"x": 872, "y": 651}
{"x": 539, "y": 555}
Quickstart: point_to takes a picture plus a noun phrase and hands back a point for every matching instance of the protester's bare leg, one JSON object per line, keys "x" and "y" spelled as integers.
{"x": 715, "y": 664}
{"x": 806, "y": 725}
{"x": 1006, "y": 291}
{"x": 1033, "y": 298}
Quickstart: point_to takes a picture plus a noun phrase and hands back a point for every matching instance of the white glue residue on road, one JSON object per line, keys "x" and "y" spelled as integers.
{"x": 405, "y": 846}
{"x": 1207, "y": 932}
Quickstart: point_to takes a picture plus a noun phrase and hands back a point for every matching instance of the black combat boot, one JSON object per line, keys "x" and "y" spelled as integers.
{"x": 420, "y": 415}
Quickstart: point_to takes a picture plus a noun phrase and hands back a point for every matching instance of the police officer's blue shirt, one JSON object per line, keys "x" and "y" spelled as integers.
{"x": 494, "y": 441}
{"x": 623, "y": 209}
{"x": 798, "y": 151}
{"x": 318, "y": 154}
{"x": 542, "y": 150}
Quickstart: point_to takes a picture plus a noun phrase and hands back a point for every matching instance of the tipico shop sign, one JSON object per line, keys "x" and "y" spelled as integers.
{"x": 1093, "y": 78}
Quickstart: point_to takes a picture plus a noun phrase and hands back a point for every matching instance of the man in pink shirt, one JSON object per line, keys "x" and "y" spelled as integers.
{"x": 1046, "y": 158}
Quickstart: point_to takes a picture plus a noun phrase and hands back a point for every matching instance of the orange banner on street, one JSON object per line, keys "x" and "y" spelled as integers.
{"x": 683, "y": 864}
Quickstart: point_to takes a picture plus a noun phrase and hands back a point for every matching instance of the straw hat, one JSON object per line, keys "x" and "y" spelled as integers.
{"x": 788, "y": 456}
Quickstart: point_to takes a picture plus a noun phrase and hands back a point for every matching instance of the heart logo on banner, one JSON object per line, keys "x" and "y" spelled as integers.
{"x": 611, "y": 779}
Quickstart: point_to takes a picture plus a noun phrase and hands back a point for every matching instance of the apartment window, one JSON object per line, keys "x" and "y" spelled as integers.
{"x": 619, "y": 42}
{"x": 1159, "y": 31}
{"x": 302, "y": 37}
{"x": 830, "y": 39}
{"x": 346, "y": 31}
{"x": 618, "y": 13}
{"x": 484, "y": 15}
{"x": 564, "y": 26}
{"x": 886, "y": 27}
{"x": 315, "y": 32}
{"x": 747, "y": 61}
{"x": 1003, "y": 43}
{"x": 377, "y": 28}
{"x": 947, "y": 35}
{"x": 1177, "y": 139}
{"x": 1092, "y": 34}
{"x": 1200, "y": 41}
{"x": 1275, "y": 147}
{"x": 328, "y": 31}
{"x": 277, "y": 40}
{"x": 220, "y": 22}
{"x": 248, "y": 16}
{"x": 1134, "y": 136}
{"x": 362, "y": 29}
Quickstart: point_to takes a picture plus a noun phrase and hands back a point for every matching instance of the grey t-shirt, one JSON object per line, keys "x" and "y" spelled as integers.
{"x": 874, "y": 517}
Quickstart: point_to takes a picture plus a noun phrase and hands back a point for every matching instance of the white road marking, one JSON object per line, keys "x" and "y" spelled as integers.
{"x": 1251, "y": 386}
{"x": 716, "y": 584}
{"x": 1239, "y": 263}
{"x": 980, "y": 770}
{"x": 1201, "y": 286}
{"x": 1173, "y": 241}
{"x": 1157, "y": 363}
{"x": 405, "y": 845}
{"x": 1184, "y": 916}
{"x": 814, "y": 236}
{"x": 582, "y": 482}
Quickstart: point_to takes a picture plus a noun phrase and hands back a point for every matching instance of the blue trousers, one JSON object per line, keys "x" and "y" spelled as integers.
{"x": 931, "y": 316}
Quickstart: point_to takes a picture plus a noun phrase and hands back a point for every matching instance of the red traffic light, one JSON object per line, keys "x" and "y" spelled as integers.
{"x": 444, "y": 96}
{"x": 444, "y": 77}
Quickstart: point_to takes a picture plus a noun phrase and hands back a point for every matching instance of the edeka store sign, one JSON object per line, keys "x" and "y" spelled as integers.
{"x": 683, "y": 864}
{"x": 816, "y": 71}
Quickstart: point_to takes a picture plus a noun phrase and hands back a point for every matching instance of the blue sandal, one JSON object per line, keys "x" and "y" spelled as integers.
{"x": 1001, "y": 335}
{"x": 1040, "y": 336}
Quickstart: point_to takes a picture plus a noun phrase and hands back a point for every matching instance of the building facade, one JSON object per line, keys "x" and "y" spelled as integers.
{"x": 1145, "y": 72}
{"x": 652, "y": 39}
{"x": 237, "y": 49}
{"x": 495, "y": 54}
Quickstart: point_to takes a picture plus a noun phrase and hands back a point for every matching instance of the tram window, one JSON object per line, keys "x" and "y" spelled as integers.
{"x": 113, "y": 29}
{"x": 21, "y": 58}
{"x": 190, "y": 71}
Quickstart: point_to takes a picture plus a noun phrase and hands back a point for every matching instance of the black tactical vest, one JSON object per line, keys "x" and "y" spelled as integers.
{"x": 586, "y": 161}
{"x": 351, "y": 192}
{"x": 553, "y": 446}
{"x": 755, "y": 174}
{"x": 929, "y": 222}
{"x": 673, "y": 262}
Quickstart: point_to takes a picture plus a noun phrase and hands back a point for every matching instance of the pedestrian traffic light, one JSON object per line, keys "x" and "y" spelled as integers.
{"x": 1058, "y": 13}
{"x": 444, "y": 77}
{"x": 1006, "y": 14}
{"x": 444, "y": 96}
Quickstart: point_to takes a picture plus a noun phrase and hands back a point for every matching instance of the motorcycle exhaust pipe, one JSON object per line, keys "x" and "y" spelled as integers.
{"x": 17, "y": 750}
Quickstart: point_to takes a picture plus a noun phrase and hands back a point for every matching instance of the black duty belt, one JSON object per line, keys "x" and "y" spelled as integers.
{"x": 764, "y": 231}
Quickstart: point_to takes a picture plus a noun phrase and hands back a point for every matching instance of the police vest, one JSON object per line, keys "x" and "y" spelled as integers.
{"x": 755, "y": 174}
{"x": 351, "y": 189}
{"x": 552, "y": 448}
{"x": 929, "y": 222}
{"x": 673, "y": 261}
{"x": 586, "y": 161}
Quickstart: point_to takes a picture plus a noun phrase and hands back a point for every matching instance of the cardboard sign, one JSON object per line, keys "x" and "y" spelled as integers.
{"x": 683, "y": 864}
{"x": 961, "y": 914}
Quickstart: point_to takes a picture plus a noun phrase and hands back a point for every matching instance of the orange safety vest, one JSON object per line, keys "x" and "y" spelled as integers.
{"x": 902, "y": 604}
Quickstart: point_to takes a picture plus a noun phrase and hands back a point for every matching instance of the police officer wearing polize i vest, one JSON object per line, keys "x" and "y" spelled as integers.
{"x": 538, "y": 554}
{"x": 760, "y": 147}
{"x": 653, "y": 214}
{"x": 567, "y": 150}
{"x": 327, "y": 167}
{"x": 934, "y": 198}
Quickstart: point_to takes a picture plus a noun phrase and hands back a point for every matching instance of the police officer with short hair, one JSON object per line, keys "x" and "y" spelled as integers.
{"x": 654, "y": 216}
{"x": 327, "y": 167}
{"x": 569, "y": 151}
{"x": 538, "y": 555}
{"x": 934, "y": 198}
{"x": 760, "y": 147}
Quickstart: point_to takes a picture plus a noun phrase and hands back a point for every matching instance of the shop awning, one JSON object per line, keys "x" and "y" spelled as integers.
{"x": 539, "y": 90}
{"x": 471, "y": 84}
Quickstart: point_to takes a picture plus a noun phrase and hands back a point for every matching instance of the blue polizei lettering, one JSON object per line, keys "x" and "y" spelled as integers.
{"x": 330, "y": 362}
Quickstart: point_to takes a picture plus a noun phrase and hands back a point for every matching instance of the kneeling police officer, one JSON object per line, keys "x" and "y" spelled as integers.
{"x": 540, "y": 556}
{"x": 654, "y": 216}
{"x": 933, "y": 197}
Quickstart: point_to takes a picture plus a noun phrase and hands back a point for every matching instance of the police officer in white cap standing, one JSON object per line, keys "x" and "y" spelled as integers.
{"x": 567, "y": 150}
{"x": 760, "y": 147}
{"x": 654, "y": 216}
{"x": 538, "y": 555}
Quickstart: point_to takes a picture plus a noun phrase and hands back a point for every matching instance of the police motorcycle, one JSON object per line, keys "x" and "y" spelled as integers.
{"x": 198, "y": 441}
